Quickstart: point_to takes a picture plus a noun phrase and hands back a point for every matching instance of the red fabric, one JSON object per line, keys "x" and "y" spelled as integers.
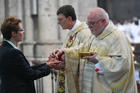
{"x": 60, "y": 56}
{"x": 97, "y": 69}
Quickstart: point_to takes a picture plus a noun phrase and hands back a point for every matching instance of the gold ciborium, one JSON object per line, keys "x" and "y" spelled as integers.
{"x": 84, "y": 54}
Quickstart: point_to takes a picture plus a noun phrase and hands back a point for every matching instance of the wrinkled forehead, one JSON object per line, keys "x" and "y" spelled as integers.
{"x": 92, "y": 17}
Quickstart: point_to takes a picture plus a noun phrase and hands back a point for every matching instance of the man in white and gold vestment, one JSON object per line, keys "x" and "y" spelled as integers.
{"x": 78, "y": 33}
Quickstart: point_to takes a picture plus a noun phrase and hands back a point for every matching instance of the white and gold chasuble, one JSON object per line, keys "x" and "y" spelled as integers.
{"x": 74, "y": 38}
{"x": 115, "y": 58}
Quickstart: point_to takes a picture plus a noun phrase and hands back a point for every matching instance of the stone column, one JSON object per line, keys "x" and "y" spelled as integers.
{"x": 28, "y": 22}
{"x": 2, "y": 14}
{"x": 85, "y": 6}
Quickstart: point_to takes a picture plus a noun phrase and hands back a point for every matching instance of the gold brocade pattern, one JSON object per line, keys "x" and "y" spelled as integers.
{"x": 115, "y": 58}
{"x": 61, "y": 78}
{"x": 81, "y": 34}
{"x": 61, "y": 88}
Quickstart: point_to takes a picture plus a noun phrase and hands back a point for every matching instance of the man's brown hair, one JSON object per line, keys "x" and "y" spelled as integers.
{"x": 67, "y": 10}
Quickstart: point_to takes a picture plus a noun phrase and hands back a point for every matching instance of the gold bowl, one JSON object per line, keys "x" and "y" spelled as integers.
{"x": 84, "y": 54}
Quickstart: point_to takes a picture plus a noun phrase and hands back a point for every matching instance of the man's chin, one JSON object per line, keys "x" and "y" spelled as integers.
{"x": 64, "y": 28}
{"x": 21, "y": 40}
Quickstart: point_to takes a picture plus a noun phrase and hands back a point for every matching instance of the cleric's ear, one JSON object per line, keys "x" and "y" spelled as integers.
{"x": 69, "y": 17}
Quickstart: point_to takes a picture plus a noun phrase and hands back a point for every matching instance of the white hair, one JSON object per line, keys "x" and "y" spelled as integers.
{"x": 101, "y": 13}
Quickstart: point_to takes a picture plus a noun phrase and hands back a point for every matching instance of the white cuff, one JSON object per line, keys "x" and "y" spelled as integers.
{"x": 98, "y": 69}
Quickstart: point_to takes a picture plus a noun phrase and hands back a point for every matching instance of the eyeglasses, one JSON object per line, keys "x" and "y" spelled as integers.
{"x": 92, "y": 23}
{"x": 20, "y": 30}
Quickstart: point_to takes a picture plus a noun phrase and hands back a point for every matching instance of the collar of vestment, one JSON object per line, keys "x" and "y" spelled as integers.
{"x": 108, "y": 30}
{"x": 79, "y": 28}
{"x": 72, "y": 35}
{"x": 8, "y": 41}
{"x": 77, "y": 23}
